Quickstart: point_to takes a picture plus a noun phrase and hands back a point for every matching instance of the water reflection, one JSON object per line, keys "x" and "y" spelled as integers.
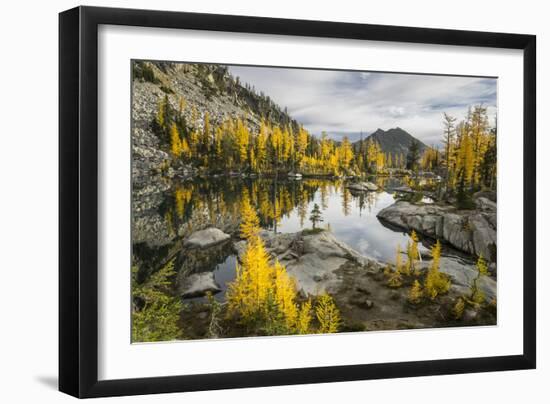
{"x": 283, "y": 206}
{"x": 352, "y": 219}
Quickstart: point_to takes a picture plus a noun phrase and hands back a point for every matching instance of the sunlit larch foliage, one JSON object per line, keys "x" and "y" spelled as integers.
{"x": 235, "y": 144}
{"x": 469, "y": 154}
{"x": 477, "y": 295}
{"x": 436, "y": 283}
{"x": 415, "y": 293}
{"x": 264, "y": 297}
{"x": 412, "y": 255}
{"x": 327, "y": 314}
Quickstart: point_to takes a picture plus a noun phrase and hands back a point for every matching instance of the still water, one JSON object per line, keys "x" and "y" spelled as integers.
{"x": 283, "y": 206}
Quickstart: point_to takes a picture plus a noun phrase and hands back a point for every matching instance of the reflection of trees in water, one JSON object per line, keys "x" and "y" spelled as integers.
{"x": 200, "y": 260}
{"x": 324, "y": 195}
{"x": 346, "y": 200}
{"x": 413, "y": 182}
{"x": 302, "y": 211}
{"x": 364, "y": 200}
{"x": 195, "y": 205}
{"x": 202, "y": 203}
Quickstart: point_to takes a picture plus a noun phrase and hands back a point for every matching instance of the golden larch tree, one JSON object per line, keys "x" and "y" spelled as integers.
{"x": 175, "y": 141}
{"x": 327, "y": 314}
{"x": 436, "y": 283}
{"x": 415, "y": 293}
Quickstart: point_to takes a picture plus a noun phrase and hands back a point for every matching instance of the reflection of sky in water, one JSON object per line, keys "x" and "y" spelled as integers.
{"x": 352, "y": 219}
{"x": 225, "y": 273}
{"x": 360, "y": 228}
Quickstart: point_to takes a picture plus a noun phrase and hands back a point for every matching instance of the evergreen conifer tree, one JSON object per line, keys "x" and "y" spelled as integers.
{"x": 316, "y": 215}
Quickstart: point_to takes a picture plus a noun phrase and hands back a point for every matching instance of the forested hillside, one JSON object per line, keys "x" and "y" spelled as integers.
{"x": 196, "y": 118}
{"x": 188, "y": 96}
{"x": 193, "y": 117}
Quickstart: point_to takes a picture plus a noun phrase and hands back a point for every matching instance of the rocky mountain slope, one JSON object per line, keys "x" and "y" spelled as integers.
{"x": 203, "y": 89}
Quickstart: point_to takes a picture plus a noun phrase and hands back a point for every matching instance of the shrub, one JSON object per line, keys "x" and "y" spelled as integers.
{"x": 458, "y": 308}
{"x": 143, "y": 71}
{"x": 167, "y": 90}
{"x": 416, "y": 293}
{"x": 477, "y": 296}
{"x": 155, "y": 311}
{"x": 316, "y": 230}
{"x": 436, "y": 283}
{"x": 412, "y": 254}
{"x": 395, "y": 279}
{"x": 214, "y": 327}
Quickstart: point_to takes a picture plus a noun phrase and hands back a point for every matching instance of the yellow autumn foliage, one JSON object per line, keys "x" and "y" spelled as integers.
{"x": 477, "y": 296}
{"x": 285, "y": 296}
{"x": 416, "y": 293}
{"x": 175, "y": 141}
{"x": 458, "y": 308}
{"x": 436, "y": 283}
{"x": 250, "y": 223}
{"x": 232, "y": 143}
{"x": 412, "y": 254}
{"x": 395, "y": 280}
{"x": 263, "y": 295}
{"x": 398, "y": 264}
{"x": 327, "y": 314}
{"x": 304, "y": 318}
{"x": 482, "y": 265}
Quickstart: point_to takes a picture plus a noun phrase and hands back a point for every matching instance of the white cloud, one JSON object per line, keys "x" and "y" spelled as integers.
{"x": 341, "y": 102}
{"x": 396, "y": 111}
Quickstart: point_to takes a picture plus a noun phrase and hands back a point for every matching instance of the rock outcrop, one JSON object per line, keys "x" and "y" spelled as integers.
{"x": 198, "y": 284}
{"x": 362, "y": 186}
{"x": 462, "y": 275}
{"x": 312, "y": 258}
{"x": 210, "y": 89}
{"x": 471, "y": 231}
{"x": 147, "y": 156}
{"x": 320, "y": 263}
{"x": 206, "y": 238}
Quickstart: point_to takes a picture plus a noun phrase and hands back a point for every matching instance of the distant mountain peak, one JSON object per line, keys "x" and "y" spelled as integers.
{"x": 395, "y": 141}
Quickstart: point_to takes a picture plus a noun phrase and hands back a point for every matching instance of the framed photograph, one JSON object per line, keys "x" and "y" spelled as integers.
{"x": 251, "y": 201}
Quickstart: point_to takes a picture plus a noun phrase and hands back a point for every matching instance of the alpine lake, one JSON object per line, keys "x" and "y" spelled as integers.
{"x": 162, "y": 221}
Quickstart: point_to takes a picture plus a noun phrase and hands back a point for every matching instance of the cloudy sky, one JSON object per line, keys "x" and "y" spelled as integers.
{"x": 346, "y": 103}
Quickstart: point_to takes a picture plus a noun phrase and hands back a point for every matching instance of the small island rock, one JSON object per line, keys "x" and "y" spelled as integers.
{"x": 197, "y": 285}
{"x": 206, "y": 238}
{"x": 362, "y": 186}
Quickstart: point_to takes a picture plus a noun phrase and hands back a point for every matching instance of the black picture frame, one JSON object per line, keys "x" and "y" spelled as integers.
{"x": 78, "y": 201}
